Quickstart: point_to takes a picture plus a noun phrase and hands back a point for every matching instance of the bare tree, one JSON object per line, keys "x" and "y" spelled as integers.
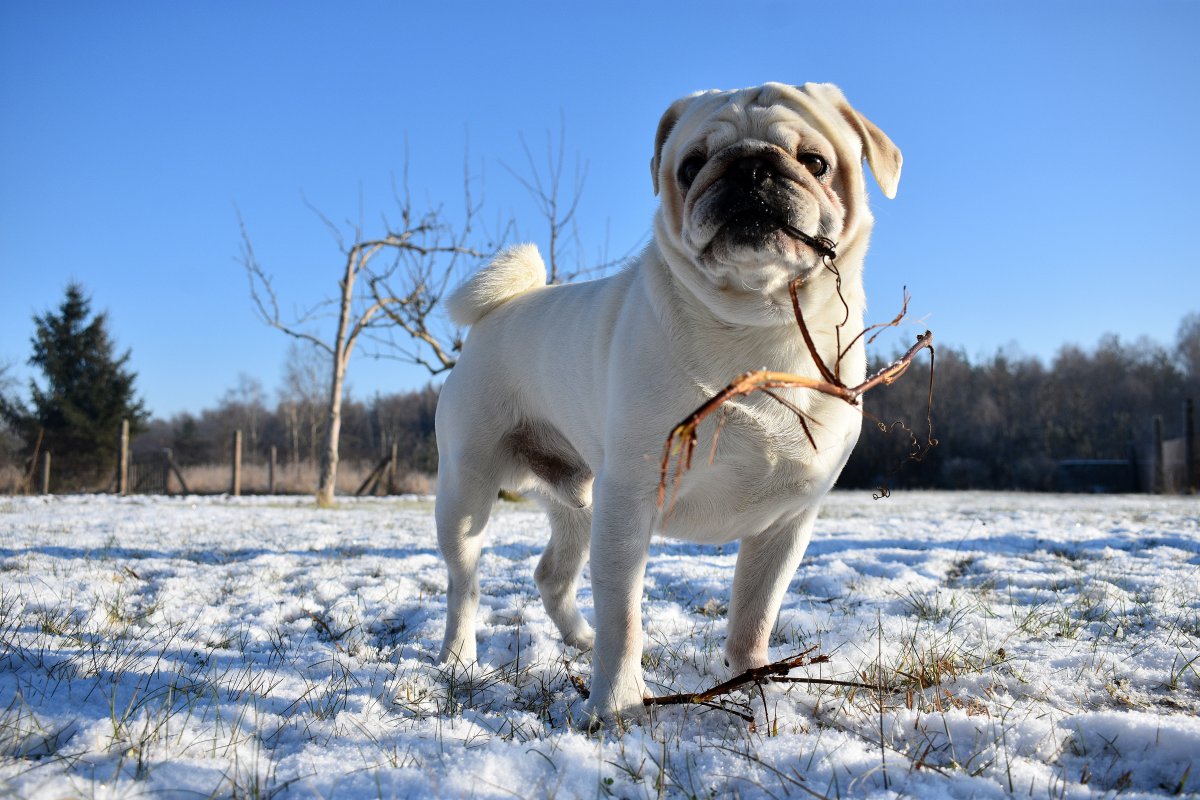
{"x": 1187, "y": 347}
{"x": 392, "y": 286}
{"x": 9, "y": 439}
{"x": 423, "y": 247}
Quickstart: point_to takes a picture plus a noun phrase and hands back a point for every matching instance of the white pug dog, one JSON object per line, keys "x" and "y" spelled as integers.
{"x": 572, "y": 390}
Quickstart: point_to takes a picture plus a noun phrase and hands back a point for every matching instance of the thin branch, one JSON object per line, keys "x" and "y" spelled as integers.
{"x": 266, "y": 303}
{"x": 545, "y": 191}
{"x": 777, "y": 672}
{"x": 755, "y": 675}
{"x": 334, "y": 230}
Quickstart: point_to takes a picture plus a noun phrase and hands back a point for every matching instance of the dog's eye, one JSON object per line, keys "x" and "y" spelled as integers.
{"x": 689, "y": 169}
{"x": 815, "y": 164}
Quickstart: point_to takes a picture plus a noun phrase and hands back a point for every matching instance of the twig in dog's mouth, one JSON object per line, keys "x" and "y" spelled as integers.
{"x": 763, "y": 214}
{"x": 825, "y": 248}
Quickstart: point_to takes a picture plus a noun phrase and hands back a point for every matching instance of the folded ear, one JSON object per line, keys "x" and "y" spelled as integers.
{"x": 882, "y": 155}
{"x": 665, "y": 126}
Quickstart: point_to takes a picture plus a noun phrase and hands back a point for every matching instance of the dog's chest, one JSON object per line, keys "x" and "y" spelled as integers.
{"x": 764, "y": 466}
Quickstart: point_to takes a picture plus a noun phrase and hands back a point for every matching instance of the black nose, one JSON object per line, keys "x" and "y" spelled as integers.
{"x": 751, "y": 172}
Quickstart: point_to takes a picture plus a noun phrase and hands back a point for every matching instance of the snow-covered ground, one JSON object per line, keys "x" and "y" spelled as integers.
{"x": 1036, "y": 645}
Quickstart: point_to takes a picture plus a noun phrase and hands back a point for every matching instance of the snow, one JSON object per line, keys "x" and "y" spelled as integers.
{"x": 1036, "y": 645}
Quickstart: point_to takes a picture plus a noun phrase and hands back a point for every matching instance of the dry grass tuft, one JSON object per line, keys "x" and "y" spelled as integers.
{"x": 298, "y": 478}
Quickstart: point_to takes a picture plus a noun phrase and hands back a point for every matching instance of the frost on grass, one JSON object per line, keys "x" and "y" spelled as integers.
{"x": 1031, "y": 645}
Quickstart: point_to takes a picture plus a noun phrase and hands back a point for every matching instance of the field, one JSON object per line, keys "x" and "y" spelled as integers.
{"x": 1029, "y": 645}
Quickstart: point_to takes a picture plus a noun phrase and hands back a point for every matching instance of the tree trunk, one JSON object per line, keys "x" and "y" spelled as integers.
{"x": 123, "y": 460}
{"x": 342, "y": 345}
{"x": 329, "y": 446}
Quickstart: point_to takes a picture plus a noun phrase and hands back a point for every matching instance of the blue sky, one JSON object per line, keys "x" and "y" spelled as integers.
{"x": 1048, "y": 193}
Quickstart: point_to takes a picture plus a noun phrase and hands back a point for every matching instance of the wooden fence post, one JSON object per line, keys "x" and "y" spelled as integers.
{"x": 271, "y": 472}
{"x": 123, "y": 460}
{"x": 1158, "y": 480}
{"x": 166, "y": 471}
{"x": 46, "y": 472}
{"x": 236, "y": 488}
{"x": 1191, "y": 459}
{"x": 393, "y": 470}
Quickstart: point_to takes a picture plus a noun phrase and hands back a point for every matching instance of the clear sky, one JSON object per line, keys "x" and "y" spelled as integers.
{"x": 1048, "y": 194}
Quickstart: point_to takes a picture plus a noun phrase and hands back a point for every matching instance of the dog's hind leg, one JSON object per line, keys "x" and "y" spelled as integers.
{"x": 557, "y": 572}
{"x": 464, "y": 502}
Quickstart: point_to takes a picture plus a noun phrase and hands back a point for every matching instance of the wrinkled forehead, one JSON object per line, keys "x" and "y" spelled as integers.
{"x": 774, "y": 112}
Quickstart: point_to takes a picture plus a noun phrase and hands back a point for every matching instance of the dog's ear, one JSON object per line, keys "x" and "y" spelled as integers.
{"x": 881, "y": 153}
{"x": 665, "y": 126}
{"x": 883, "y": 157}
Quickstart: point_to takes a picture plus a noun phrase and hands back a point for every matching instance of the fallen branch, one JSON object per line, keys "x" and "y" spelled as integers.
{"x": 754, "y": 675}
{"x": 776, "y": 672}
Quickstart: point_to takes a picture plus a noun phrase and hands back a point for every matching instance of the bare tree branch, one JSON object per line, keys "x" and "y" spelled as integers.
{"x": 266, "y": 303}
{"x": 545, "y": 187}
{"x": 750, "y": 676}
{"x": 775, "y": 672}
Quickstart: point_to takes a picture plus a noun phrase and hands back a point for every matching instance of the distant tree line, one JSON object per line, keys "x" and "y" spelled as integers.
{"x": 294, "y": 426}
{"x": 1001, "y": 422}
{"x": 1004, "y": 422}
{"x": 75, "y": 411}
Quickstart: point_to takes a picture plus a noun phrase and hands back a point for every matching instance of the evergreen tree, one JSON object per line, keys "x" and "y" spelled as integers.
{"x": 88, "y": 391}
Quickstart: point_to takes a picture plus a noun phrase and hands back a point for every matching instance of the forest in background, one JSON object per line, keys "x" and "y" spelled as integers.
{"x": 1007, "y": 421}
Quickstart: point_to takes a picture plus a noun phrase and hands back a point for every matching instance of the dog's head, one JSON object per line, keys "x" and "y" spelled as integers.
{"x": 756, "y": 183}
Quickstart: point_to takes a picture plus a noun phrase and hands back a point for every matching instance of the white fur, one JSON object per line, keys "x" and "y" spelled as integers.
{"x": 516, "y": 270}
{"x": 572, "y": 390}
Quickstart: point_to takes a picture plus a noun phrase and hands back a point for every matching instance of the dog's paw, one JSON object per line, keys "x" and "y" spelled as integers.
{"x": 741, "y": 660}
{"x": 618, "y": 707}
{"x": 601, "y": 719}
{"x": 583, "y": 639}
{"x": 457, "y": 659}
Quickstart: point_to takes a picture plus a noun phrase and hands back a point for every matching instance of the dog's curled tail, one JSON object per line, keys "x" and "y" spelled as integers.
{"x": 513, "y": 271}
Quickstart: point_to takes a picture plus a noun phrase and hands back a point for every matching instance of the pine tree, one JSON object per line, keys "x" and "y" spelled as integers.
{"x": 88, "y": 391}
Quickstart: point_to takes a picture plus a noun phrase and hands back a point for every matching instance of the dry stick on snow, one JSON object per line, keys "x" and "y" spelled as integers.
{"x": 776, "y": 672}
{"x": 753, "y": 675}
{"x": 682, "y": 441}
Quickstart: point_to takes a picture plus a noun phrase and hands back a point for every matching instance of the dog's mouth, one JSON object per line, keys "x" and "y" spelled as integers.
{"x": 821, "y": 245}
{"x": 754, "y": 225}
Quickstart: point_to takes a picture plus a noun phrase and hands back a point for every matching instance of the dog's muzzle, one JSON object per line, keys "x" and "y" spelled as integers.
{"x": 756, "y": 201}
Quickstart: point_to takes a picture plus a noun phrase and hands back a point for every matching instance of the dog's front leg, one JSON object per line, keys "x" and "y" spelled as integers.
{"x": 619, "y": 548}
{"x": 765, "y": 566}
